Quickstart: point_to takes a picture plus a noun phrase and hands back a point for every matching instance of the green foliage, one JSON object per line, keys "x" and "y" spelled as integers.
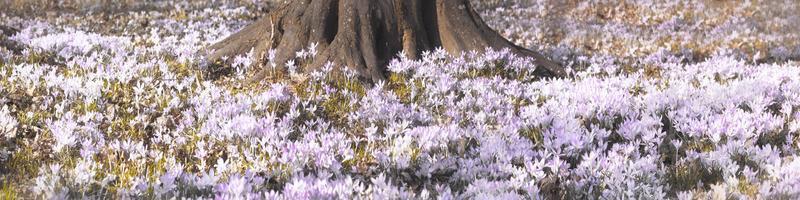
{"x": 688, "y": 173}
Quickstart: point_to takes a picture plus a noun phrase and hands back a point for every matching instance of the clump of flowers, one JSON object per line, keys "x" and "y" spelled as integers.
{"x": 8, "y": 124}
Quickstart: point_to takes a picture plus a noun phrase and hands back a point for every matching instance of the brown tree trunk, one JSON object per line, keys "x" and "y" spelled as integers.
{"x": 364, "y": 35}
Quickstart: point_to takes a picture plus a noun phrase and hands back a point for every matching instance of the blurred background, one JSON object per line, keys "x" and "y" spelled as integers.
{"x": 759, "y": 30}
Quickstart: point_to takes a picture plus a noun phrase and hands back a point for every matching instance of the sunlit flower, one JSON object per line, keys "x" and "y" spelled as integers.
{"x": 8, "y": 124}
{"x": 63, "y": 132}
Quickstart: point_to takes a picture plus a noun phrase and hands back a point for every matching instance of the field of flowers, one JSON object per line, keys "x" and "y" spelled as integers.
{"x": 668, "y": 99}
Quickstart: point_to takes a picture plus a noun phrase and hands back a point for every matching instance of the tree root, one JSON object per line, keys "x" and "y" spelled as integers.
{"x": 365, "y": 35}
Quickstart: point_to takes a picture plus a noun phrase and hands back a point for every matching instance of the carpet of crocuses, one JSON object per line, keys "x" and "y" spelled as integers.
{"x": 666, "y": 100}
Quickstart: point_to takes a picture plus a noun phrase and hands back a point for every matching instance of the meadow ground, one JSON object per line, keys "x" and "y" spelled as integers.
{"x": 667, "y": 99}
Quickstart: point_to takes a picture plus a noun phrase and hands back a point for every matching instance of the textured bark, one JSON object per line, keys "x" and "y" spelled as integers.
{"x": 364, "y": 35}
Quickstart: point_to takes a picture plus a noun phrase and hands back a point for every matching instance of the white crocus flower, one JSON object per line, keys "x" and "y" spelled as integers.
{"x": 8, "y": 124}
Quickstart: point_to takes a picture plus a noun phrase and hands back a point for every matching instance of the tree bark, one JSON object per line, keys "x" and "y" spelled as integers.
{"x": 364, "y": 35}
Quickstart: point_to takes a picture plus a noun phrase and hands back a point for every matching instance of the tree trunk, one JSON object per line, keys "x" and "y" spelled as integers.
{"x": 364, "y": 35}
